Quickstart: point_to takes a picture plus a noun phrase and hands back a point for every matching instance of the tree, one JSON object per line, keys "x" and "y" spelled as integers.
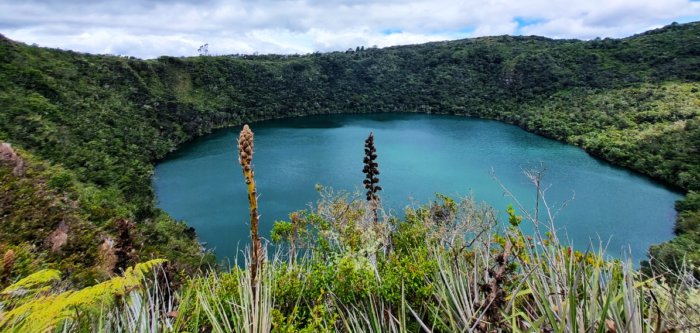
{"x": 203, "y": 50}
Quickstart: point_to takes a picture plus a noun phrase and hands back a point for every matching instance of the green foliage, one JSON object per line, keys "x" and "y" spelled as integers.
{"x": 689, "y": 223}
{"x": 30, "y": 283}
{"x": 49, "y": 312}
{"x": 321, "y": 321}
{"x": 34, "y": 285}
{"x": 513, "y": 219}
{"x": 504, "y": 281}
{"x": 31, "y": 210}
{"x": 60, "y": 181}
{"x": 43, "y": 200}
{"x": 104, "y": 120}
{"x": 301, "y": 230}
{"x": 281, "y": 231}
{"x": 411, "y": 233}
{"x": 685, "y": 248}
{"x": 691, "y": 202}
{"x": 405, "y": 277}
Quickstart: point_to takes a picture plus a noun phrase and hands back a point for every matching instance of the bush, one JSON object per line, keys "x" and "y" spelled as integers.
{"x": 61, "y": 181}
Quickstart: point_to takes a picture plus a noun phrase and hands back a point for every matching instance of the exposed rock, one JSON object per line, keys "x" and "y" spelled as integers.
{"x": 9, "y": 157}
{"x": 58, "y": 237}
{"x": 107, "y": 252}
{"x": 106, "y": 242}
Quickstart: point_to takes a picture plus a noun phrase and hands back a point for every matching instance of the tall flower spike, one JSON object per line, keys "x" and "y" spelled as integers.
{"x": 370, "y": 171}
{"x": 245, "y": 158}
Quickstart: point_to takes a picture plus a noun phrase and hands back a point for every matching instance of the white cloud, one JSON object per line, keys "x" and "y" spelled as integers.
{"x": 325, "y": 40}
{"x": 613, "y": 19}
{"x": 503, "y": 28}
{"x": 153, "y": 28}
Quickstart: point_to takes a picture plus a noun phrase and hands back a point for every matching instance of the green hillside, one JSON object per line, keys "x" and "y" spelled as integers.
{"x": 90, "y": 127}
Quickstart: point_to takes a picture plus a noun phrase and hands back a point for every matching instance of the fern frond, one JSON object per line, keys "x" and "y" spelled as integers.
{"x": 34, "y": 281}
{"x": 140, "y": 269}
{"x": 46, "y": 313}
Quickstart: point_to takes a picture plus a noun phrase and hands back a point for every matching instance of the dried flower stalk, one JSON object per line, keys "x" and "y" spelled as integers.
{"x": 245, "y": 157}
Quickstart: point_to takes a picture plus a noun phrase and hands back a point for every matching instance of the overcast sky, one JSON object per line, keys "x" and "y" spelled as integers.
{"x": 149, "y": 29}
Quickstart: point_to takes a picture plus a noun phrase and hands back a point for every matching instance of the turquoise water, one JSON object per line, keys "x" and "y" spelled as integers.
{"x": 202, "y": 182}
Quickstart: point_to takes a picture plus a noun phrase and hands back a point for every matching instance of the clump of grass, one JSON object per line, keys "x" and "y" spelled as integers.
{"x": 229, "y": 301}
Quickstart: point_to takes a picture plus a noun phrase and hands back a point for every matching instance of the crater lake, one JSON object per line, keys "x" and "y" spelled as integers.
{"x": 418, "y": 155}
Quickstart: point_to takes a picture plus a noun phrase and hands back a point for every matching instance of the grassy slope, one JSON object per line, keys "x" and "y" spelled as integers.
{"x": 105, "y": 119}
{"x": 32, "y": 207}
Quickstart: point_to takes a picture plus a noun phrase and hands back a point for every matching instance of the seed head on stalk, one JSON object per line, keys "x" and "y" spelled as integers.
{"x": 370, "y": 169}
{"x": 371, "y": 173}
{"x": 245, "y": 158}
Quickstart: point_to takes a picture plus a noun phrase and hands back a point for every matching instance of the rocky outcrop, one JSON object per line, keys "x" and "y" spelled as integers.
{"x": 58, "y": 237}
{"x": 9, "y": 158}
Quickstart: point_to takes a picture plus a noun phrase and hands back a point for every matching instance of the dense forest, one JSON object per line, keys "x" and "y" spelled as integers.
{"x": 85, "y": 130}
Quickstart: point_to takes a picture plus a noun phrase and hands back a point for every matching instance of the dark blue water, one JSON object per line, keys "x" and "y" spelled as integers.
{"x": 202, "y": 182}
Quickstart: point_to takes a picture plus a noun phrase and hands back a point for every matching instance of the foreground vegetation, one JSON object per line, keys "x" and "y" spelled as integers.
{"x": 349, "y": 266}
{"x": 88, "y": 128}
{"x": 447, "y": 267}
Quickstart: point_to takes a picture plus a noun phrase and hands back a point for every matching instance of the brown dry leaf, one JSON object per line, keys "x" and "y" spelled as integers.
{"x": 611, "y": 326}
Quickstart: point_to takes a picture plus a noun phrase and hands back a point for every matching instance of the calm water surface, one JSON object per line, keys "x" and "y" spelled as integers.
{"x": 202, "y": 182}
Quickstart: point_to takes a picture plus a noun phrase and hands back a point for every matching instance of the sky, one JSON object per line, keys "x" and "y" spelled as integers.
{"x": 149, "y": 29}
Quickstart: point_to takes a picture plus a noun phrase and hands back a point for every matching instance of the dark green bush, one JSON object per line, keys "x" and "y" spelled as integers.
{"x": 60, "y": 181}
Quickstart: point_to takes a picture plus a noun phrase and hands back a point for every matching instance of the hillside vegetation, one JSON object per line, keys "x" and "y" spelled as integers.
{"x": 93, "y": 125}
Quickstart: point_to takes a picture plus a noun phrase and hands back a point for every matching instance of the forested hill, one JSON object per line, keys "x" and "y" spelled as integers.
{"x": 93, "y": 125}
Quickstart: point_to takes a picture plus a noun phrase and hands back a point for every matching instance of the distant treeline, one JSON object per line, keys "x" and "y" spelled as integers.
{"x": 101, "y": 122}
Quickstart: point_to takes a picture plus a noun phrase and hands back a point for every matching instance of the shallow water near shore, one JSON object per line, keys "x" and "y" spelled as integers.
{"x": 418, "y": 155}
